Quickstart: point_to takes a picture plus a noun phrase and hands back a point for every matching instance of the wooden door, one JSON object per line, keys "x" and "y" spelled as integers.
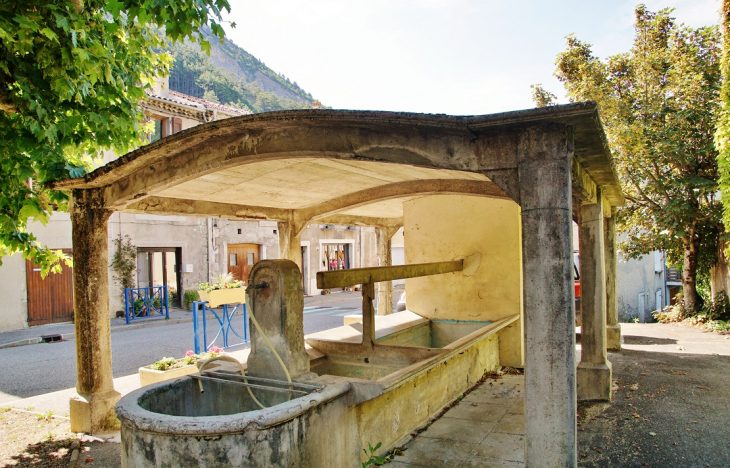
{"x": 50, "y": 299}
{"x": 241, "y": 258}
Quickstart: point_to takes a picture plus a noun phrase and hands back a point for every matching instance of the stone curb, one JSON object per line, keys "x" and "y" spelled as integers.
{"x": 70, "y": 336}
{"x": 76, "y": 449}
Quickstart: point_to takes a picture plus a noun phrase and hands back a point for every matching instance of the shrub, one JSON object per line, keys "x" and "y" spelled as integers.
{"x": 190, "y": 296}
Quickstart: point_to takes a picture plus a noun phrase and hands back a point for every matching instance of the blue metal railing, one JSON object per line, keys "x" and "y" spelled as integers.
{"x": 145, "y": 303}
{"x": 226, "y": 322}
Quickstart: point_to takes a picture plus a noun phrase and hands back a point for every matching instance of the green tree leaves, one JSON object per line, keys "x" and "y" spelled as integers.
{"x": 659, "y": 102}
{"x": 71, "y": 83}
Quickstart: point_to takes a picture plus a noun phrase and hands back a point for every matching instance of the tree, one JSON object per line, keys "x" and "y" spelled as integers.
{"x": 72, "y": 77}
{"x": 659, "y": 102}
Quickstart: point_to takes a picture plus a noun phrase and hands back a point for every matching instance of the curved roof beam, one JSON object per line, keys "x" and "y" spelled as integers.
{"x": 487, "y": 144}
{"x": 398, "y": 190}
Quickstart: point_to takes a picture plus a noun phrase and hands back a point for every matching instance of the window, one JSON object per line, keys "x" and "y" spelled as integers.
{"x": 159, "y": 129}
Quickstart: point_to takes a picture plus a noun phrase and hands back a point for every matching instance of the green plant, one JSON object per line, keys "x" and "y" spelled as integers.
{"x": 72, "y": 79}
{"x": 190, "y": 296}
{"x": 124, "y": 262}
{"x": 167, "y": 363}
{"x": 46, "y": 416}
{"x": 223, "y": 281}
{"x": 378, "y": 461}
{"x": 373, "y": 459}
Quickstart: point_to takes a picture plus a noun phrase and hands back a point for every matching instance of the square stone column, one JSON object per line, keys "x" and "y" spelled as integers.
{"x": 544, "y": 169}
{"x": 92, "y": 407}
{"x": 613, "y": 329}
{"x": 594, "y": 370}
{"x": 290, "y": 242}
{"x": 384, "y": 235}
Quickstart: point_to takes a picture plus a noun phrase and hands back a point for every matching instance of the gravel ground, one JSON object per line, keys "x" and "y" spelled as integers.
{"x": 671, "y": 388}
{"x": 29, "y": 439}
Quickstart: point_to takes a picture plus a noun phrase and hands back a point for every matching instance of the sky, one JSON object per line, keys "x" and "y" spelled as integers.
{"x": 459, "y": 57}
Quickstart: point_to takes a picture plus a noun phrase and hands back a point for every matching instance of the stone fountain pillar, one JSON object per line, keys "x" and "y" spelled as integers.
{"x": 277, "y": 302}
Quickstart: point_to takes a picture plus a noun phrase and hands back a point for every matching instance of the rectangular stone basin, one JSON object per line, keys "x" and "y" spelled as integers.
{"x": 402, "y": 340}
{"x": 346, "y": 366}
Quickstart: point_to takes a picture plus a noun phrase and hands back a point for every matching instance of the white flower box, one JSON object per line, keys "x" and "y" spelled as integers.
{"x": 218, "y": 297}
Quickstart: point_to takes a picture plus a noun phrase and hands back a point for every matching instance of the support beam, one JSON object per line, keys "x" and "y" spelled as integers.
{"x": 384, "y": 238}
{"x": 92, "y": 407}
{"x": 400, "y": 189}
{"x": 544, "y": 160}
{"x": 613, "y": 329}
{"x": 368, "y": 316}
{"x": 342, "y": 278}
{"x": 290, "y": 241}
{"x": 594, "y": 370}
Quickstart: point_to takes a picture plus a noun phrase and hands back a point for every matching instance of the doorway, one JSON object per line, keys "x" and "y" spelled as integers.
{"x": 160, "y": 266}
{"x": 241, "y": 258}
{"x": 50, "y": 299}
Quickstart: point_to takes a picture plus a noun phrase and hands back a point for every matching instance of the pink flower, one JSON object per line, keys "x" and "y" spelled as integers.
{"x": 189, "y": 352}
{"x": 215, "y": 349}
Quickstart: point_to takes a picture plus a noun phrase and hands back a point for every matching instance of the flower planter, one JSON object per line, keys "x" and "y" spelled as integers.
{"x": 218, "y": 297}
{"x": 149, "y": 376}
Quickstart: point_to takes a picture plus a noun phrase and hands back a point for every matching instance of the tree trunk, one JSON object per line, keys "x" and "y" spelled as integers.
{"x": 692, "y": 299}
{"x": 719, "y": 273}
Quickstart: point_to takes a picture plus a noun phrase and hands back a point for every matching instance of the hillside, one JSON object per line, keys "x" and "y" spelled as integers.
{"x": 232, "y": 76}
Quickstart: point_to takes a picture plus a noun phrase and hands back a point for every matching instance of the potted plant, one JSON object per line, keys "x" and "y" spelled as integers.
{"x": 189, "y": 297}
{"x": 225, "y": 290}
{"x": 170, "y": 368}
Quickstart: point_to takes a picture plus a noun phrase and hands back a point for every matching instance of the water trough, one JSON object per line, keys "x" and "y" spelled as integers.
{"x": 364, "y": 383}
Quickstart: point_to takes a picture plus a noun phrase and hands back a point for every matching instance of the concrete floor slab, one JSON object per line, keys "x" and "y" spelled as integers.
{"x": 423, "y": 451}
{"x": 478, "y": 411}
{"x": 511, "y": 424}
{"x": 465, "y": 430}
{"x": 509, "y": 447}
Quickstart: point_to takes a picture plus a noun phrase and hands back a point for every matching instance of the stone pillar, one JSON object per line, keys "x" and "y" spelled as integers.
{"x": 613, "y": 329}
{"x": 594, "y": 370}
{"x": 385, "y": 258}
{"x": 544, "y": 157}
{"x": 92, "y": 407}
{"x": 290, "y": 242}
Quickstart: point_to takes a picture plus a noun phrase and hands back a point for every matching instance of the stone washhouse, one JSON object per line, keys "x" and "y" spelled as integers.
{"x": 491, "y": 199}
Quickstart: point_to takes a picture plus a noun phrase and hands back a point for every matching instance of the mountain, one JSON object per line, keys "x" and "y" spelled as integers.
{"x": 232, "y": 76}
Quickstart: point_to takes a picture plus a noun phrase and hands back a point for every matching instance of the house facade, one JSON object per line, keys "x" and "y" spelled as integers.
{"x": 178, "y": 251}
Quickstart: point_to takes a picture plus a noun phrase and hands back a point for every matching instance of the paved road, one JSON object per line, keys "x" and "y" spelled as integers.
{"x": 42, "y": 368}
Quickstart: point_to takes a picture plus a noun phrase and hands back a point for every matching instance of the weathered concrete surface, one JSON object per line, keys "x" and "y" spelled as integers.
{"x": 92, "y": 409}
{"x": 545, "y": 191}
{"x": 279, "y": 310}
{"x": 447, "y": 227}
{"x": 294, "y": 433}
{"x": 594, "y": 370}
{"x": 432, "y": 147}
{"x": 613, "y": 329}
{"x": 391, "y": 417}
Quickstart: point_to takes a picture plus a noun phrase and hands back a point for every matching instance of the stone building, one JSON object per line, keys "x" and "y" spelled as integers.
{"x": 177, "y": 251}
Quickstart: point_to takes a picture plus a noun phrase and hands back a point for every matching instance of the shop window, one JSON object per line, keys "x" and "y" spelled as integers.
{"x": 335, "y": 257}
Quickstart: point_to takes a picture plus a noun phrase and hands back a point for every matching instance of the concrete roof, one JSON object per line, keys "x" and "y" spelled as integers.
{"x": 311, "y": 164}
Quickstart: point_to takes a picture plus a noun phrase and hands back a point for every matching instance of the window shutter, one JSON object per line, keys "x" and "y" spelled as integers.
{"x": 176, "y": 124}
